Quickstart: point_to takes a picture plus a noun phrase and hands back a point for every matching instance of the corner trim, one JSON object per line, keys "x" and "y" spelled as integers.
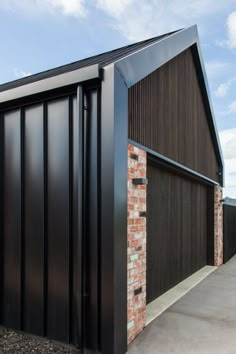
{"x": 114, "y": 137}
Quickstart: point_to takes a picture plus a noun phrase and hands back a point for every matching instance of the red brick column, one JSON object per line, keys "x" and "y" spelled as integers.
{"x": 137, "y": 162}
{"x": 218, "y": 225}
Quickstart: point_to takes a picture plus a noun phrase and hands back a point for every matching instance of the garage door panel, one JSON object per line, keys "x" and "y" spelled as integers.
{"x": 176, "y": 229}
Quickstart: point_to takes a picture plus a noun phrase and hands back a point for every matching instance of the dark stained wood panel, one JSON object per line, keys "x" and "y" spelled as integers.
{"x": 176, "y": 229}
{"x": 229, "y": 234}
{"x": 167, "y": 115}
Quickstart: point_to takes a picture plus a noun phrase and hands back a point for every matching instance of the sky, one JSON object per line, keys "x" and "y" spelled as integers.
{"x": 37, "y": 35}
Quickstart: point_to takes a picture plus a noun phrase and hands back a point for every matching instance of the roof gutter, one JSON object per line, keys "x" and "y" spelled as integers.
{"x": 58, "y": 81}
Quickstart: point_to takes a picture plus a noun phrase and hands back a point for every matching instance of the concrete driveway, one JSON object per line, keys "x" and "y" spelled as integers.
{"x": 203, "y": 321}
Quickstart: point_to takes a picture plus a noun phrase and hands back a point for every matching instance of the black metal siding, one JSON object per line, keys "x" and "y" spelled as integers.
{"x": 58, "y": 219}
{"x": 12, "y": 247}
{"x": 91, "y": 228}
{"x": 40, "y": 269}
{"x": 34, "y": 220}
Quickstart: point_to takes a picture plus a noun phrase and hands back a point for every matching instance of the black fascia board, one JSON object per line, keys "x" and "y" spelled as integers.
{"x": 55, "y": 82}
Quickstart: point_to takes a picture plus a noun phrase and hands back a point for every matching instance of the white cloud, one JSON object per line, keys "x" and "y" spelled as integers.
{"x": 232, "y": 107}
{"x": 228, "y": 143}
{"x": 231, "y": 29}
{"x": 68, "y": 7}
{"x": 222, "y": 90}
{"x": 143, "y": 19}
{"x": 21, "y": 73}
{"x": 75, "y": 8}
{"x": 216, "y": 68}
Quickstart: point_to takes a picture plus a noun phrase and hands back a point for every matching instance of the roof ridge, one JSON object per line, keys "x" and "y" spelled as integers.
{"x": 101, "y": 59}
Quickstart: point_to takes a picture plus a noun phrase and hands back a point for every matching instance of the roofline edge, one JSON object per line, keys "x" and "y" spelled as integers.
{"x": 136, "y": 66}
{"x": 57, "y": 81}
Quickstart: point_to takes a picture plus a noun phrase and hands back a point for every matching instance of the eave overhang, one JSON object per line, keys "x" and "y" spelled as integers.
{"x": 62, "y": 80}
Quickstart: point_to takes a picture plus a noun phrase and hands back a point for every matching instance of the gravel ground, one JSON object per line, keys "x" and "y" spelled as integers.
{"x": 15, "y": 342}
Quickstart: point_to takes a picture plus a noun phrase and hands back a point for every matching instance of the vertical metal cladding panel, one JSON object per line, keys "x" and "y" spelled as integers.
{"x": 176, "y": 229}
{"x": 91, "y": 223}
{"x": 76, "y": 250}
{"x": 11, "y": 306}
{"x": 41, "y": 184}
{"x": 58, "y": 220}
{"x": 34, "y": 220}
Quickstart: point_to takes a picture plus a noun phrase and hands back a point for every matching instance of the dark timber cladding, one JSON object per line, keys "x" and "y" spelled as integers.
{"x": 40, "y": 272}
{"x": 177, "y": 229}
{"x": 167, "y": 114}
{"x": 229, "y": 234}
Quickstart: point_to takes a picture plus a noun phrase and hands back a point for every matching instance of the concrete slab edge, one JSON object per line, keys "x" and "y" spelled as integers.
{"x": 162, "y": 303}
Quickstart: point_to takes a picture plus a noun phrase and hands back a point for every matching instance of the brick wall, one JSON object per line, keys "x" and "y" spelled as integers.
{"x": 137, "y": 164}
{"x": 218, "y": 225}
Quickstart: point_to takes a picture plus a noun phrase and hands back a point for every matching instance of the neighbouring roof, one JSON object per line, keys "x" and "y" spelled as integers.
{"x": 228, "y": 200}
{"x": 100, "y": 59}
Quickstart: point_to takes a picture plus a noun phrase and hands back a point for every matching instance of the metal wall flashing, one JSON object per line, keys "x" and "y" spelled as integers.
{"x": 173, "y": 163}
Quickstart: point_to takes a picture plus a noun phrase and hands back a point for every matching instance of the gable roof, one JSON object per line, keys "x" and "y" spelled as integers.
{"x": 101, "y": 60}
{"x": 133, "y": 62}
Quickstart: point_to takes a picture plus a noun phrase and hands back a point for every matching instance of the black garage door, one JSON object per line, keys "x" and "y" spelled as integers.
{"x": 177, "y": 229}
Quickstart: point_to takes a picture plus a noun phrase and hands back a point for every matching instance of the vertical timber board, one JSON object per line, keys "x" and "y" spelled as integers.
{"x": 229, "y": 214}
{"x": 114, "y": 137}
{"x": 12, "y": 220}
{"x": 173, "y": 92}
{"x": 34, "y": 221}
{"x": 176, "y": 229}
{"x": 58, "y": 220}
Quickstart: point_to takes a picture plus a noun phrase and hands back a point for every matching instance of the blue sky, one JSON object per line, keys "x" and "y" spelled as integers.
{"x": 36, "y": 35}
